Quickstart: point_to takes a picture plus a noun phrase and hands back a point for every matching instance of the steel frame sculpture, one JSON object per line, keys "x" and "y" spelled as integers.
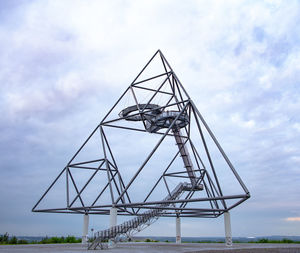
{"x": 172, "y": 119}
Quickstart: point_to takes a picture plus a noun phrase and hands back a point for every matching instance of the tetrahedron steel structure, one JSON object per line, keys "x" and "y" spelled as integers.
{"x": 153, "y": 151}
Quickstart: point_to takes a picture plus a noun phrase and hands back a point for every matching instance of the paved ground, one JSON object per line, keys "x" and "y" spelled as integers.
{"x": 156, "y": 247}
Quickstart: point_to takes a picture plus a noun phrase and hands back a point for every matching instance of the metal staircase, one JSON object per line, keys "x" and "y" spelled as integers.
{"x": 147, "y": 218}
{"x": 137, "y": 223}
{"x": 185, "y": 155}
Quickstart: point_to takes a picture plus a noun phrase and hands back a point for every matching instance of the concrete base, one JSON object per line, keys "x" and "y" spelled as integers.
{"x": 227, "y": 223}
{"x": 178, "y": 230}
{"x": 85, "y": 229}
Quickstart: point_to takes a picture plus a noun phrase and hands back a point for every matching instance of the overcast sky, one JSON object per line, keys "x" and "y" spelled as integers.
{"x": 64, "y": 63}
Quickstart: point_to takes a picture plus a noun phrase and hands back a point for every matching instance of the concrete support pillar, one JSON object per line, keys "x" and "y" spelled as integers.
{"x": 227, "y": 223}
{"x": 112, "y": 222}
{"x": 178, "y": 230}
{"x": 85, "y": 230}
{"x": 113, "y": 217}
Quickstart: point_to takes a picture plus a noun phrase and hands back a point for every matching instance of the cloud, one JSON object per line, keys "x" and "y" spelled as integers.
{"x": 293, "y": 219}
{"x": 64, "y": 63}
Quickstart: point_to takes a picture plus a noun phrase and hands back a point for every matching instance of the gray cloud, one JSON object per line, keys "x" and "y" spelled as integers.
{"x": 63, "y": 64}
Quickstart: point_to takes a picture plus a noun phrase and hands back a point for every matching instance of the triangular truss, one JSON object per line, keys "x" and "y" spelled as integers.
{"x": 151, "y": 116}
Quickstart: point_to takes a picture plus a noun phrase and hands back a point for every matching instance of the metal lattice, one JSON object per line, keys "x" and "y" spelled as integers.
{"x": 165, "y": 111}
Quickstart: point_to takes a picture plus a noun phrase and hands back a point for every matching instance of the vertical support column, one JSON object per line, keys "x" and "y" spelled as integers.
{"x": 112, "y": 222}
{"x": 178, "y": 230}
{"x": 85, "y": 228}
{"x": 227, "y": 223}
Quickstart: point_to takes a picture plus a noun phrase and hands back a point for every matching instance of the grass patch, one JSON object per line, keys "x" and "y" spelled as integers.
{"x": 6, "y": 239}
{"x": 265, "y": 240}
{"x": 150, "y": 240}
